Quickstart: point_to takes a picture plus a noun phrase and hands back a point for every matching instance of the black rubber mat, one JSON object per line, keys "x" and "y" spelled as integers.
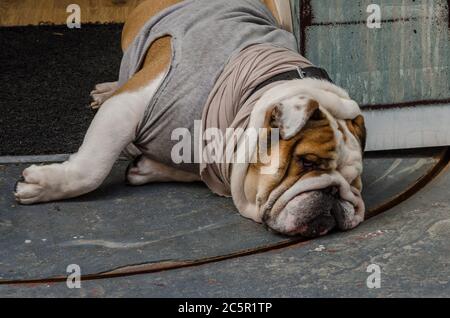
{"x": 46, "y": 74}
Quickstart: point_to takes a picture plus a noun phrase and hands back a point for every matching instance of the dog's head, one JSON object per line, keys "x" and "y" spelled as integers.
{"x": 315, "y": 183}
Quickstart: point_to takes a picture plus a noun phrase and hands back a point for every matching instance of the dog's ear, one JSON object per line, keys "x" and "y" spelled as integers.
{"x": 291, "y": 115}
{"x": 358, "y": 129}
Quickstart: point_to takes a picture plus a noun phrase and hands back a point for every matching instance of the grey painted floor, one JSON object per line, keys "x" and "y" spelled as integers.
{"x": 410, "y": 243}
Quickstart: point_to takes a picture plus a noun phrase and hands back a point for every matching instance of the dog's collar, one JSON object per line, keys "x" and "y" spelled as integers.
{"x": 299, "y": 73}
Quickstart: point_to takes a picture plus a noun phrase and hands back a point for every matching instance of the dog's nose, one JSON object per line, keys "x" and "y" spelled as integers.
{"x": 309, "y": 214}
{"x": 333, "y": 191}
{"x": 319, "y": 226}
{"x": 324, "y": 221}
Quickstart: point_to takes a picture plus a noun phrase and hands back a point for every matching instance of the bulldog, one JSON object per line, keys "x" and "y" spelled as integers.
{"x": 228, "y": 64}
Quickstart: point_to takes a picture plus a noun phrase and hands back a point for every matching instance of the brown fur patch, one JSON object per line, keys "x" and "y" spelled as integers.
{"x": 312, "y": 106}
{"x": 358, "y": 129}
{"x": 270, "y": 4}
{"x": 315, "y": 142}
{"x": 139, "y": 16}
{"x": 357, "y": 183}
{"x": 157, "y": 60}
{"x": 158, "y": 57}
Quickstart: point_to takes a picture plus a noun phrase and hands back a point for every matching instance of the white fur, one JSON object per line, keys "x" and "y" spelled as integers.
{"x": 337, "y": 105}
{"x": 111, "y": 130}
{"x": 294, "y": 115}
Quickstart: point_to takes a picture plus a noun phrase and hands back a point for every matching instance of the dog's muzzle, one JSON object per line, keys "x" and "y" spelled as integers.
{"x": 312, "y": 214}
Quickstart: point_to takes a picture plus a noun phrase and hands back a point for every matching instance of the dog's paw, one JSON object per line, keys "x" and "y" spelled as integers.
{"x": 101, "y": 93}
{"x": 46, "y": 183}
{"x": 28, "y": 189}
{"x": 144, "y": 170}
{"x": 133, "y": 174}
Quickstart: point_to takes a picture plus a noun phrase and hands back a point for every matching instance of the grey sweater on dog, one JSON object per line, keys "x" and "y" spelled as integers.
{"x": 206, "y": 34}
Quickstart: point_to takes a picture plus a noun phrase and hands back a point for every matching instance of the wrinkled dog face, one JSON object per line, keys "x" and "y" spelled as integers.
{"x": 316, "y": 186}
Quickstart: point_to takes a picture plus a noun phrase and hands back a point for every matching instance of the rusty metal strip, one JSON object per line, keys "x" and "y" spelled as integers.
{"x": 407, "y": 104}
{"x": 363, "y": 22}
{"x": 147, "y": 268}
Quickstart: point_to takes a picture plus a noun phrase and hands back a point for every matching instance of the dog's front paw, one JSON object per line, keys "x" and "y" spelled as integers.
{"x": 42, "y": 184}
{"x": 29, "y": 188}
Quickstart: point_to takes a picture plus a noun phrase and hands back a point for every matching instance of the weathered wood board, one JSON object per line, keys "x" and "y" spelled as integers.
{"x": 406, "y": 60}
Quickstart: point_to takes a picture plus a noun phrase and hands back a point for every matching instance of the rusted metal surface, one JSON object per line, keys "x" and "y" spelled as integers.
{"x": 409, "y": 244}
{"x": 95, "y": 232}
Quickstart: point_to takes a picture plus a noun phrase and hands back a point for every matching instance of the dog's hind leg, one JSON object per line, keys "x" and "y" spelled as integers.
{"x": 144, "y": 170}
{"x": 111, "y": 130}
{"x": 101, "y": 93}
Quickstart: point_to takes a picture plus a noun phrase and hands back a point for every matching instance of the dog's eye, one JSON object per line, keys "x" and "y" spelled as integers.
{"x": 306, "y": 163}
